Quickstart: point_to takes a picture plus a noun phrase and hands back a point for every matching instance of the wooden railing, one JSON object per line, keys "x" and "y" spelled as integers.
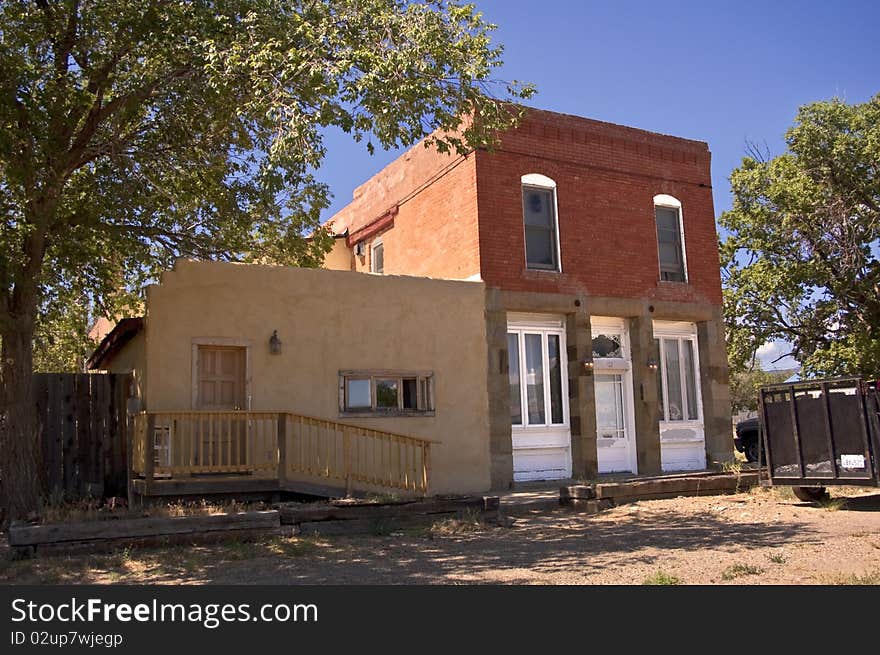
{"x": 279, "y": 445}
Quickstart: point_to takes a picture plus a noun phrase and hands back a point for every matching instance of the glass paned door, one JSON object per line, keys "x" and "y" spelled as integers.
{"x": 537, "y": 373}
{"x": 536, "y": 382}
{"x": 612, "y": 383}
{"x": 612, "y": 436}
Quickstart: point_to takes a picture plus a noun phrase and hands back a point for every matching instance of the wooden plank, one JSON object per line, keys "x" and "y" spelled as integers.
{"x": 682, "y": 486}
{"x": 54, "y": 418}
{"x": 121, "y": 428}
{"x": 282, "y": 446}
{"x": 576, "y": 491}
{"x": 292, "y": 514}
{"x": 82, "y": 459}
{"x": 202, "y": 487}
{"x": 41, "y": 399}
{"x": 26, "y": 535}
{"x": 68, "y": 432}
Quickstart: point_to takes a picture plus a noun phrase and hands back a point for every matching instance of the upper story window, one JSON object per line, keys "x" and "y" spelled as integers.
{"x": 377, "y": 256}
{"x": 540, "y": 221}
{"x": 670, "y": 239}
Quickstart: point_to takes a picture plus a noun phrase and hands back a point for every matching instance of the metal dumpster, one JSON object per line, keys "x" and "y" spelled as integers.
{"x": 818, "y": 433}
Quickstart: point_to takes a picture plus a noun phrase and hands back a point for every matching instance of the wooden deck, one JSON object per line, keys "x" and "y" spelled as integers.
{"x": 202, "y": 452}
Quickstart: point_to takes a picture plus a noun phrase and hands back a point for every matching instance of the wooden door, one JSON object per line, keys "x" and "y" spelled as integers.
{"x": 221, "y": 387}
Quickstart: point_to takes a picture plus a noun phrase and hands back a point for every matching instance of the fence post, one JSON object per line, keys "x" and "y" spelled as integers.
{"x": 282, "y": 447}
{"x": 149, "y": 452}
{"x": 130, "y": 428}
{"x": 426, "y": 466}
{"x": 346, "y": 455}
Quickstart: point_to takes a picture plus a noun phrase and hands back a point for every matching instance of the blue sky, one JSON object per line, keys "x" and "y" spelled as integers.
{"x": 721, "y": 72}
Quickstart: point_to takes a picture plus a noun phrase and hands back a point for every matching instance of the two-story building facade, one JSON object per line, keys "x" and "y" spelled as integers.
{"x": 550, "y": 309}
{"x": 597, "y": 246}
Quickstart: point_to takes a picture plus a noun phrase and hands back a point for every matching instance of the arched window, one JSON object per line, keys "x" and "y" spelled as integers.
{"x": 670, "y": 238}
{"x": 540, "y": 222}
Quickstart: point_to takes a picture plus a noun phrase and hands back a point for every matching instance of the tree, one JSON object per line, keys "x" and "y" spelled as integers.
{"x": 801, "y": 261}
{"x": 138, "y": 131}
{"x": 744, "y": 385}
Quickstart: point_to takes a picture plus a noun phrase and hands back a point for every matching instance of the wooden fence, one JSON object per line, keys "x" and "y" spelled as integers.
{"x": 84, "y": 423}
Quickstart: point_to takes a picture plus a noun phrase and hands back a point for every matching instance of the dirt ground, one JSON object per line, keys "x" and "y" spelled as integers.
{"x": 761, "y": 537}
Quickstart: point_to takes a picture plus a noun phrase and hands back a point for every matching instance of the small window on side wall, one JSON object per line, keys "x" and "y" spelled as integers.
{"x": 377, "y": 257}
{"x": 670, "y": 239}
{"x": 386, "y": 393}
{"x": 540, "y": 222}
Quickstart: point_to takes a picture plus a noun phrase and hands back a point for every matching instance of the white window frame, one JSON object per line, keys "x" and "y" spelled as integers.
{"x": 680, "y": 332}
{"x": 544, "y": 330}
{"x": 671, "y": 202}
{"x": 543, "y": 183}
{"x": 425, "y": 393}
{"x": 377, "y": 242}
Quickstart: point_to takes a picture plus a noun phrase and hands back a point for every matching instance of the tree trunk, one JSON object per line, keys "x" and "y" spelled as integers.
{"x": 21, "y": 479}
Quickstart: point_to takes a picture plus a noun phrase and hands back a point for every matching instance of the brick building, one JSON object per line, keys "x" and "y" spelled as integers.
{"x": 597, "y": 246}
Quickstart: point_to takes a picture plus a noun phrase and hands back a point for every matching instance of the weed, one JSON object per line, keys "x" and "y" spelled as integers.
{"x": 832, "y": 504}
{"x": 466, "y": 522}
{"x": 293, "y": 546}
{"x": 739, "y": 570}
{"x": 661, "y": 578}
{"x": 380, "y": 498}
{"x": 382, "y": 528}
{"x": 869, "y": 578}
{"x": 776, "y": 558}
{"x": 733, "y": 466}
{"x": 784, "y": 493}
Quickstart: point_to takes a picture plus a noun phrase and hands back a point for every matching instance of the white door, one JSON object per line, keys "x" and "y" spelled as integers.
{"x": 682, "y": 437}
{"x": 539, "y": 399}
{"x": 615, "y": 433}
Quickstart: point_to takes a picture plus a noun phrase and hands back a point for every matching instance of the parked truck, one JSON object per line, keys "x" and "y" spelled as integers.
{"x": 819, "y": 433}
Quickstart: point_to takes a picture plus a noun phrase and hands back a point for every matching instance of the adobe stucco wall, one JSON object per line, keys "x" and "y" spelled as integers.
{"x": 339, "y": 257}
{"x": 132, "y": 358}
{"x": 330, "y": 321}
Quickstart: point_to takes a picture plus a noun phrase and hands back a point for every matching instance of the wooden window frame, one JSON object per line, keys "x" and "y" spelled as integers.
{"x": 425, "y": 393}
{"x": 377, "y": 243}
{"x": 538, "y": 182}
{"x": 663, "y": 201}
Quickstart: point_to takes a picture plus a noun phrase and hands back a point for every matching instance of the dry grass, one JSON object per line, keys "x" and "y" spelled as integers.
{"x": 61, "y": 510}
{"x": 868, "y": 578}
{"x": 740, "y": 570}
{"x": 131, "y": 565}
{"x": 467, "y": 522}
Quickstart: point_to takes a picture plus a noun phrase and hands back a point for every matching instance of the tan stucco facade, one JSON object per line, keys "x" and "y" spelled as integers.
{"x": 329, "y": 321}
{"x": 339, "y": 258}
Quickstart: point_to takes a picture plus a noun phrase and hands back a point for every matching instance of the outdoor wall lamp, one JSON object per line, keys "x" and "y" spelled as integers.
{"x": 587, "y": 364}
{"x": 652, "y": 364}
{"x": 275, "y": 343}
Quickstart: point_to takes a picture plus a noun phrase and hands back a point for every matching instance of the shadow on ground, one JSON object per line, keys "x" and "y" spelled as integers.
{"x": 537, "y": 546}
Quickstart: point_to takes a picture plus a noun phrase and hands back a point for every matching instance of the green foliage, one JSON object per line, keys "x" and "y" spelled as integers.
{"x": 801, "y": 262}
{"x": 744, "y": 385}
{"x": 738, "y": 570}
{"x": 661, "y": 578}
{"x": 135, "y": 132}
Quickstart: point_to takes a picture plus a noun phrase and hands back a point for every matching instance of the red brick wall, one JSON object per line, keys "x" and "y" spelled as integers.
{"x": 435, "y": 228}
{"x": 607, "y": 176}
